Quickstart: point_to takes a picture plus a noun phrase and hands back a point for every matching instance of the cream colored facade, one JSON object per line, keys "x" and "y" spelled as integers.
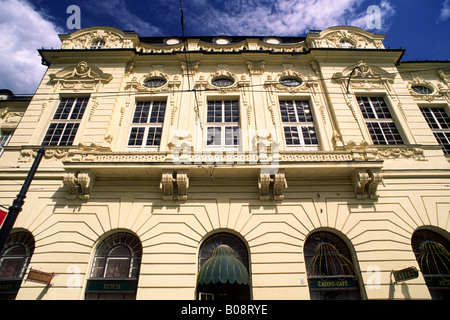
{"x": 270, "y": 194}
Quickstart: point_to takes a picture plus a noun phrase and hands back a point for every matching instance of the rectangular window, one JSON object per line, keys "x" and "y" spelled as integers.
{"x": 5, "y": 136}
{"x": 439, "y": 122}
{"x": 298, "y": 124}
{"x": 147, "y": 124}
{"x": 65, "y": 122}
{"x": 223, "y": 124}
{"x": 379, "y": 121}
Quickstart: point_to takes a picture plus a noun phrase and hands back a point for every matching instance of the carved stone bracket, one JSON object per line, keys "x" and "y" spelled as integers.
{"x": 174, "y": 185}
{"x": 79, "y": 185}
{"x": 271, "y": 187}
{"x": 365, "y": 183}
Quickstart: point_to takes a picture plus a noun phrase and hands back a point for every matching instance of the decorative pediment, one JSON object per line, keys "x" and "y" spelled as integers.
{"x": 345, "y": 38}
{"x": 99, "y": 38}
{"x": 422, "y": 89}
{"x": 80, "y": 76}
{"x": 290, "y": 80}
{"x": 222, "y": 80}
{"x": 154, "y": 82}
{"x": 364, "y": 76}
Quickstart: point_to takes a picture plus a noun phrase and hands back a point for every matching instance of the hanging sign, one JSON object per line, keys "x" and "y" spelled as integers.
{"x": 3, "y": 214}
{"x": 405, "y": 274}
{"x": 39, "y": 276}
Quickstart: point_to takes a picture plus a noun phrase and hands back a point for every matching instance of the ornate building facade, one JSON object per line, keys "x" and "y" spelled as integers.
{"x": 306, "y": 167}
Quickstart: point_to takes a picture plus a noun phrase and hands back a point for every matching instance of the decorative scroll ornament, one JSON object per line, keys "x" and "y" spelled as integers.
{"x": 345, "y": 37}
{"x": 80, "y": 76}
{"x": 111, "y": 38}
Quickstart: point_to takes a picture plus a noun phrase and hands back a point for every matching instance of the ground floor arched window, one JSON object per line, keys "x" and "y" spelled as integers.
{"x": 115, "y": 270}
{"x": 223, "y": 269}
{"x": 330, "y": 268}
{"x": 14, "y": 260}
{"x": 432, "y": 252}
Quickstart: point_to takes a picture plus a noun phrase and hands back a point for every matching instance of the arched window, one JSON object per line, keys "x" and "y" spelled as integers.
{"x": 14, "y": 260}
{"x": 116, "y": 266}
{"x": 432, "y": 252}
{"x": 223, "y": 268}
{"x": 330, "y": 268}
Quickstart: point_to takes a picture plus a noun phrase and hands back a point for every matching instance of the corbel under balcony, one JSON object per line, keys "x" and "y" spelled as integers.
{"x": 365, "y": 183}
{"x": 271, "y": 187}
{"x": 174, "y": 185}
{"x": 79, "y": 185}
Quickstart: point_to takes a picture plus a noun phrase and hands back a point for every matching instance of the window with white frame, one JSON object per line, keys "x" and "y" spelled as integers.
{"x": 147, "y": 125}
{"x": 65, "y": 122}
{"x": 223, "y": 124}
{"x": 5, "y": 136}
{"x": 379, "y": 121}
{"x": 298, "y": 124}
{"x": 439, "y": 122}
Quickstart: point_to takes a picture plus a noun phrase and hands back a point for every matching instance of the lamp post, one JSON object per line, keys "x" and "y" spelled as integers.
{"x": 17, "y": 204}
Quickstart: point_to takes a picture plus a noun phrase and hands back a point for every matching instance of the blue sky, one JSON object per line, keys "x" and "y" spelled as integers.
{"x": 420, "y": 27}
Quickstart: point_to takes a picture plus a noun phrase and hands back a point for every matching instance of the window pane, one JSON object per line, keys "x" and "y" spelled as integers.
{"x": 136, "y": 136}
{"x": 431, "y": 120}
{"x": 303, "y": 111}
{"x": 60, "y": 134}
{"x": 213, "y": 136}
{"x": 158, "y": 111}
{"x": 10, "y": 267}
{"x": 287, "y": 111}
{"x": 78, "y": 109}
{"x": 154, "y": 136}
{"x": 291, "y": 135}
{"x": 63, "y": 110}
{"x": 117, "y": 268}
{"x": 391, "y": 133}
{"x": 366, "y": 108}
{"x": 214, "y": 111}
{"x": 68, "y": 134}
{"x": 232, "y": 136}
{"x": 381, "y": 109}
{"x": 141, "y": 112}
{"x": 444, "y": 140}
{"x": 309, "y": 135}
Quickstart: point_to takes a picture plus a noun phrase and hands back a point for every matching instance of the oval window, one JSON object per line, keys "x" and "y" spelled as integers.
{"x": 346, "y": 44}
{"x": 222, "y": 82}
{"x": 422, "y": 90}
{"x": 291, "y": 82}
{"x": 155, "y": 82}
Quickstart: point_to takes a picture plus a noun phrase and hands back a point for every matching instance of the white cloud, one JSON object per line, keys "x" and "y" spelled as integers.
{"x": 23, "y": 30}
{"x": 289, "y": 17}
{"x": 445, "y": 11}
